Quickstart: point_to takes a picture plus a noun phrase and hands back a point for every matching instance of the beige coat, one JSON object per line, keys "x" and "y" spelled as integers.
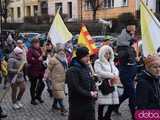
{"x": 57, "y": 74}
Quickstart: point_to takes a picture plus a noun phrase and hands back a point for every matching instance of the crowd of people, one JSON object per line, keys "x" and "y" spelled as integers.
{"x": 90, "y": 80}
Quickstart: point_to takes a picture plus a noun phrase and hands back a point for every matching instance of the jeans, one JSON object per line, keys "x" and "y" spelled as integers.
{"x": 49, "y": 84}
{"x": 37, "y": 87}
{"x": 58, "y": 101}
{"x": 127, "y": 74}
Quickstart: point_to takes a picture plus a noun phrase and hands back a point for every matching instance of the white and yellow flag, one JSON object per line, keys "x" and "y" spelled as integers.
{"x": 58, "y": 32}
{"x": 150, "y": 28}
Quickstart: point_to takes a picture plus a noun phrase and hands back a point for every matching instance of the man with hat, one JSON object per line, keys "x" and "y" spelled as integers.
{"x": 82, "y": 90}
{"x": 107, "y": 40}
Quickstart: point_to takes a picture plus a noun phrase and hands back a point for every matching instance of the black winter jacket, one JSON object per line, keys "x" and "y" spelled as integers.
{"x": 80, "y": 84}
{"x": 148, "y": 91}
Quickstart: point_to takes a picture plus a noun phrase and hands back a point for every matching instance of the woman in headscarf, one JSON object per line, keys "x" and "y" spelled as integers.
{"x": 148, "y": 87}
{"x": 106, "y": 70}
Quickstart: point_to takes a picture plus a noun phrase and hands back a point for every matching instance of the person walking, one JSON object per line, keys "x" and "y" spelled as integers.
{"x": 148, "y": 87}
{"x": 16, "y": 69}
{"x": 107, "y": 71}
{"x": 49, "y": 53}
{"x": 36, "y": 71}
{"x": 57, "y": 67}
{"x": 82, "y": 89}
{"x": 127, "y": 66}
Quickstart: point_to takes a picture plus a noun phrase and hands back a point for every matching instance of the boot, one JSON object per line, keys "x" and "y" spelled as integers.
{"x": 33, "y": 102}
{"x": 64, "y": 112}
{"x": 108, "y": 115}
{"x": 50, "y": 93}
{"x": 39, "y": 99}
{"x": 2, "y": 115}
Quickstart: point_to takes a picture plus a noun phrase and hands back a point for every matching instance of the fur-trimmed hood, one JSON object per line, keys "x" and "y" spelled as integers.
{"x": 103, "y": 51}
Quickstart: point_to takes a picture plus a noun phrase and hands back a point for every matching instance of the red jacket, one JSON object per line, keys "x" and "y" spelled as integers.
{"x": 36, "y": 68}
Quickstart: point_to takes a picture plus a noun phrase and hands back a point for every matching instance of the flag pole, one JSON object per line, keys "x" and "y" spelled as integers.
{"x": 150, "y": 12}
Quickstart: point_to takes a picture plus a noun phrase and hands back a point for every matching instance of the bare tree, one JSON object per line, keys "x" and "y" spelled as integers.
{"x": 4, "y": 5}
{"x": 95, "y": 5}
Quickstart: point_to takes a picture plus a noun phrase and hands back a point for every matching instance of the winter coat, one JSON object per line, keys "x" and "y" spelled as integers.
{"x": 106, "y": 70}
{"x": 35, "y": 66}
{"x": 80, "y": 84}
{"x": 57, "y": 75}
{"x": 13, "y": 66}
{"x": 148, "y": 91}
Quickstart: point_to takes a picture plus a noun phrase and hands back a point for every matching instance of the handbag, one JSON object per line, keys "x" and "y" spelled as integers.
{"x": 105, "y": 87}
{"x": 108, "y": 94}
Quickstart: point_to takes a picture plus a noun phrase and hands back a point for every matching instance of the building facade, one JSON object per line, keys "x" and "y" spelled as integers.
{"x": 109, "y": 8}
{"x": 67, "y": 7}
{"x": 18, "y": 9}
{"x": 75, "y": 9}
{"x": 152, "y": 4}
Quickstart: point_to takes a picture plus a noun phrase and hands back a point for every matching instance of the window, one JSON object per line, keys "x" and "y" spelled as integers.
{"x": 18, "y": 12}
{"x": 11, "y": 1}
{"x": 44, "y": 7}
{"x": 57, "y": 6}
{"x": 35, "y": 8}
{"x": 125, "y": 3}
{"x": 88, "y": 5}
{"x": 70, "y": 9}
{"x": 12, "y": 12}
{"x": 109, "y": 3}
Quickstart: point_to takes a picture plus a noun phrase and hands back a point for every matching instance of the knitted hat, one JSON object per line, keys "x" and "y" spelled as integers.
{"x": 151, "y": 59}
{"x": 18, "y": 50}
{"x": 82, "y": 52}
{"x": 59, "y": 47}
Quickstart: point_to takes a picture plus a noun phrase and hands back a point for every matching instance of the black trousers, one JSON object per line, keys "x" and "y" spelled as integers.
{"x": 79, "y": 113}
{"x": 108, "y": 113}
{"x": 37, "y": 87}
{"x": 1, "y": 111}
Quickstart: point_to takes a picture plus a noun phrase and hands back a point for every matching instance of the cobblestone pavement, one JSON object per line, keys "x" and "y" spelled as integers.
{"x": 43, "y": 111}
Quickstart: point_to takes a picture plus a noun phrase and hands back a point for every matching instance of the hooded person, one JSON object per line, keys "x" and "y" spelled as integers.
{"x": 149, "y": 84}
{"x": 124, "y": 39}
{"x": 15, "y": 62}
{"x": 82, "y": 89}
{"x": 57, "y": 67}
{"x": 106, "y": 70}
{"x": 127, "y": 64}
{"x": 124, "y": 49}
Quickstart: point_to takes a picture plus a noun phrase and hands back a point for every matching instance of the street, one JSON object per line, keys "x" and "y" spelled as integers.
{"x": 43, "y": 111}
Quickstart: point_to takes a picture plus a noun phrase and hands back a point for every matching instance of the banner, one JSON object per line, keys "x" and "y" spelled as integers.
{"x": 86, "y": 40}
{"x": 150, "y": 28}
{"x": 58, "y": 32}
